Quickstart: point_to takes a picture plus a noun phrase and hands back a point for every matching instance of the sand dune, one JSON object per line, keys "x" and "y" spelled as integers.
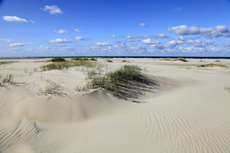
{"x": 188, "y": 112}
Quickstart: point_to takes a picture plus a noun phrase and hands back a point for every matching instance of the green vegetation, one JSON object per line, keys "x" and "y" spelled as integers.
{"x": 68, "y": 64}
{"x": 172, "y": 60}
{"x": 125, "y": 61}
{"x": 51, "y": 88}
{"x": 188, "y": 68}
{"x": 109, "y": 61}
{"x": 77, "y": 59}
{"x": 8, "y": 79}
{"x": 165, "y": 59}
{"x": 93, "y": 59}
{"x": 58, "y": 59}
{"x": 227, "y": 89}
{"x": 8, "y": 62}
{"x": 217, "y": 61}
{"x": 212, "y": 65}
{"x": 180, "y": 59}
{"x": 126, "y": 82}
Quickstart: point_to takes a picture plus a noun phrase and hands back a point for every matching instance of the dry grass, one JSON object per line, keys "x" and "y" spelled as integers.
{"x": 52, "y": 88}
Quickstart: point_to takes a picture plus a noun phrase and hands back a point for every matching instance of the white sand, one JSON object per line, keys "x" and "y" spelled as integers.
{"x": 188, "y": 113}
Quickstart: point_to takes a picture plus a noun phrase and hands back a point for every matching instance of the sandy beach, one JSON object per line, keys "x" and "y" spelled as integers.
{"x": 186, "y": 112}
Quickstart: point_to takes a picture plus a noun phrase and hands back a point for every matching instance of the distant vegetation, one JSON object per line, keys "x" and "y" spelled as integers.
{"x": 165, "y": 59}
{"x": 77, "y": 59}
{"x": 58, "y": 59}
{"x": 212, "y": 65}
{"x": 93, "y": 59}
{"x": 125, "y": 61}
{"x": 180, "y": 59}
{"x": 8, "y": 62}
{"x": 172, "y": 60}
{"x": 217, "y": 61}
{"x": 109, "y": 61}
{"x": 68, "y": 64}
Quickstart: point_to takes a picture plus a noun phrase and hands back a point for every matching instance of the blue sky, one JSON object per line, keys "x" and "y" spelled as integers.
{"x": 114, "y": 27}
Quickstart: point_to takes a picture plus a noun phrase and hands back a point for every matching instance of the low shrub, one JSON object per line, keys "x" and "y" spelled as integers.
{"x": 58, "y": 59}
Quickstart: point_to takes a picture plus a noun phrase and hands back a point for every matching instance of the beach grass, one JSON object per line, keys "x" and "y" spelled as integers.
{"x": 8, "y": 79}
{"x": 126, "y": 82}
{"x": 68, "y": 64}
{"x": 8, "y": 62}
{"x": 212, "y": 65}
{"x": 51, "y": 88}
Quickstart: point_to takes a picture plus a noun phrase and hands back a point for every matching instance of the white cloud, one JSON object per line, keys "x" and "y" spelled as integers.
{"x": 218, "y": 31}
{"x": 171, "y": 43}
{"x": 61, "y": 31}
{"x": 150, "y": 42}
{"x": 67, "y": 48}
{"x": 81, "y": 38}
{"x": 184, "y": 30}
{"x": 77, "y": 30}
{"x": 43, "y": 47}
{"x": 190, "y": 42}
{"x": 59, "y": 45}
{"x": 130, "y": 37}
{"x": 20, "y": 44}
{"x": 102, "y": 44}
{"x": 222, "y": 28}
{"x": 132, "y": 40}
{"x": 32, "y": 21}
{"x": 17, "y": 44}
{"x": 54, "y": 9}
{"x": 210, "y": 42}
{"x": 7, "y": 40}
{"x": 14, "y": 19}
{"x": 59, "y": 40}
{"x": 160, "y": 35}
{"x": 142, "y": 25}
{"x": 113, "y": 36}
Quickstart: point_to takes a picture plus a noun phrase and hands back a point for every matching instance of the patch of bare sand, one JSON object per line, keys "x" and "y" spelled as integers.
{"x": 189, "y": 113}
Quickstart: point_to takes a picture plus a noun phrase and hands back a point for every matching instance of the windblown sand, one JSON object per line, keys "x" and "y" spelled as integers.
{"x": 188, "y": 112}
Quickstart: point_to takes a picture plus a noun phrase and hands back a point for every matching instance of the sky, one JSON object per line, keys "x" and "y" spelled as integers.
{"x": 114, "y": 28}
